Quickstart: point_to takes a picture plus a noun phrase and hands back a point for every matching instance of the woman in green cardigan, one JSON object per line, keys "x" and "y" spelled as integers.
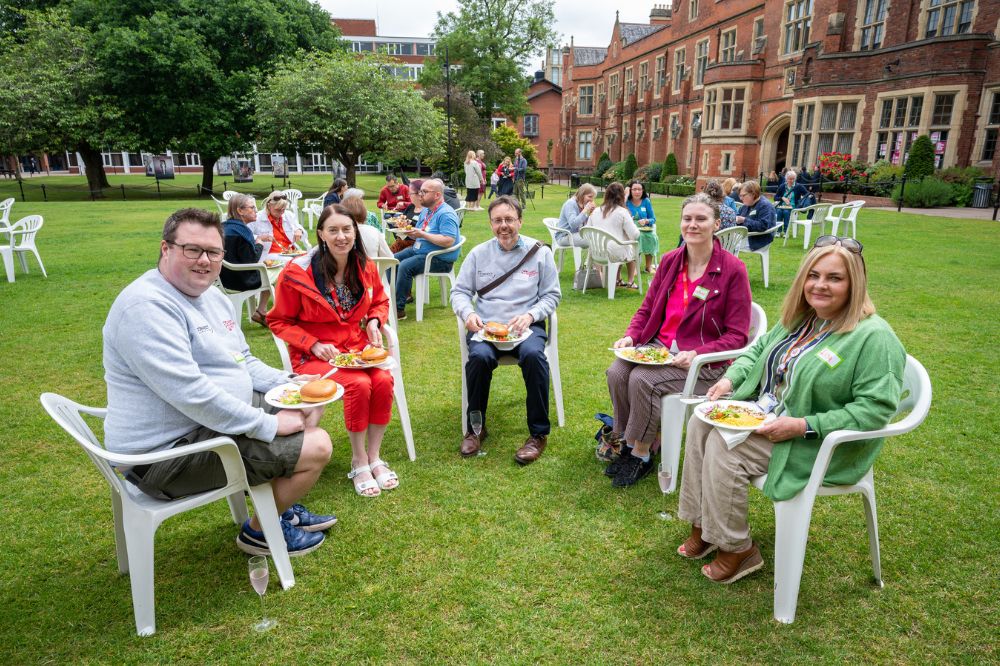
{"x": 830, "y": 364}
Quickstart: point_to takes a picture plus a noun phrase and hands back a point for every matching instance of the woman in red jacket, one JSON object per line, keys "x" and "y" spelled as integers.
{"x": 699, "y": 302}
{"x": 331, "y": 301}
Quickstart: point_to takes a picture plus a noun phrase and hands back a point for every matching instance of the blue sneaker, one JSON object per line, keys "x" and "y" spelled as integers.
{"x": 298, "y": 541}
{"x": 300, "y": 517}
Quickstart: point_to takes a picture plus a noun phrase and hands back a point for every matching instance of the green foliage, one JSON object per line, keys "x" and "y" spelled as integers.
{"x": 669, "y": 166}
{"x": 495, "y": 41}
{"x": 967, "y": 175}
{"x": 675, "y": 178}
{"x": 654, "y": 187}
{"x": 536, "y": 176}
{"x": 508, "y": 140}
{"x": 603, "y": 164}
{"x": 615, "y": 172}
{"x": 926, "y": 193}
{"x": 920, "y": 161}
{"x": 629, "y": 167}
{"x": 469, "y": 131}
{"x": 347, "y": 107}
{"x": 681, "y": 190}
{"x": 884, "y": 170}
{"x": 649, "y": 173}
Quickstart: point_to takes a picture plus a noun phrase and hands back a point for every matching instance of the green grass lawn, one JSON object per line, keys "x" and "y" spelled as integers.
{"x": 480, "y": 560}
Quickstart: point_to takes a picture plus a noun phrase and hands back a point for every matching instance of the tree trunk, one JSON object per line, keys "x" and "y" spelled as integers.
{"x": 350, "y": 163}
{"x": 97, "y": 179}
{"x": 208, "y": 173}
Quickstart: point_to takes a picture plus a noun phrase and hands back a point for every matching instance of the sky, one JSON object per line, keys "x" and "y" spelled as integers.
{"x": 588, "y": 21}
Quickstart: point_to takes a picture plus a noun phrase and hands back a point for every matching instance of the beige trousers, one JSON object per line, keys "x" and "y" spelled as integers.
{"x": 715, "y": 484}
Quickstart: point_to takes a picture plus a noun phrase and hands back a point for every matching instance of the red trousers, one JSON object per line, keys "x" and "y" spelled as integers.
{"x": 367, "y": 394}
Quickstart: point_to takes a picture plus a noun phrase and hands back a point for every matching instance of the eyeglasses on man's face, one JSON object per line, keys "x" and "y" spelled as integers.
{"x": 500, "y": 221}
{"x": 194, "y": 252}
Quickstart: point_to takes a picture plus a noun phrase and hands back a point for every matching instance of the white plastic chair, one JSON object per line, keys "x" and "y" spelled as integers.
{"x": 398, "y": 390}
{"x": 223, "y": 208}
{"x": 229, "y": 194}
{"x": 552, "y": 224}
{"x": 312, "y": 209}
{"x": 792, "y": 517}
{"x": 460, "y": 212}
{"x": 250, "y": 296}
{"x": 597, "y": 254}
{"x": 848, "y": 214}
{"x": 423, "y": 280}
{"x": 732, "y": 239}
{"x": 551, "y": 354}
{"x": 799, "y": 218}
{"x": 137, "y": 515}
{"x": 21, "y": 236}
{"x": 674, "y": 413}
{"x": 293, "y": 202}
{"x": 765, "y": 252}
{"x": 387, "y": 270}
{"x": 5, "y": 207}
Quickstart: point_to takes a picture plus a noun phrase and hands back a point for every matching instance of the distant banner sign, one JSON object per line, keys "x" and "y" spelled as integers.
{"x": 244, "y": 171}
{"x": 279, "y": 166}
{"x": 224, "y": 166}
{"x": 163, "y": 167}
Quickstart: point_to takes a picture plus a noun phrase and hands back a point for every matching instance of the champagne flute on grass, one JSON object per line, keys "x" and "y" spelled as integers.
{"x": 663, "y": 477}
{"x": 259, "y": 576}
{"x": 476, "y": 423}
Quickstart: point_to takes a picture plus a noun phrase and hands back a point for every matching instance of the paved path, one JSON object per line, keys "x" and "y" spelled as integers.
{"x": 961, "y": 213}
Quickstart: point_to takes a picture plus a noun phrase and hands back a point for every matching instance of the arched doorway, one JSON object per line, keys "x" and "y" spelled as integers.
{"x": 774, "y": 144}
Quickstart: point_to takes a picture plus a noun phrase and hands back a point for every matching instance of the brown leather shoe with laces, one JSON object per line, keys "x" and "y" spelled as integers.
{"x": 532, "y": 450}
{"x": 472, "y": 444}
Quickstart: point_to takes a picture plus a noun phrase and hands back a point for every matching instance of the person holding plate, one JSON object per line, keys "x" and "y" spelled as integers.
{"x": 243, "y": 248}
{"x": 641, "y": 209}
{"x": 276, "y": 227}
{"x": 699, "y": 302}
{"x": 330, "y": 301}
{"x": 830, "y": 364}
{"x": 510, "y": 279}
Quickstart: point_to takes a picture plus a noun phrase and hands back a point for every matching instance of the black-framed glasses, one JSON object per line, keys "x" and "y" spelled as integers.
{"x": 192, "y": 251}
{"x": 846, "y": 242}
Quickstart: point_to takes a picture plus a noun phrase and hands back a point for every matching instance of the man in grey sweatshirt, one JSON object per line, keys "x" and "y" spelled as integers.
{"x": 523, "y": 299}
{"x": 179, "y": 371}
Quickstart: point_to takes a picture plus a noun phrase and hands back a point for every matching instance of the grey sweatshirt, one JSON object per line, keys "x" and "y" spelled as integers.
{"x": 534, "y": 288}
{"x": 173, "y": 363}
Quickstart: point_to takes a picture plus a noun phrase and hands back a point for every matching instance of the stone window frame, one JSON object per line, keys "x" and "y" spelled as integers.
{"x": 682, "y": 62}
{"x": 860, "y": 25}
{"x": 692, "y": 10}
{"x": 628, "y": 80}
{"x": 813, "y": 132}
{"x": 926, "y": 9}
{"x": 581, "y": 95}
{"x": 990, "y": 97}
{"x": 713, "y": 115}
{"x": 925, "y": 126}
{"x": 702, "y": 49}
{"x": 580, "y": 144}
{"x": 730, "y": 155}
{"x": 643, "y": 79}
{"x": 785, "y": 50}
{"x": 660, "y": 75}
{"x": 613, "y": 89}
{"x": 731, "y": 48}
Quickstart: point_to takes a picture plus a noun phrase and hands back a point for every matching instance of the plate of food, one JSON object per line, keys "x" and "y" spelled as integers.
{"x": 304, "y": 396}
{"x": 501, "y": 336}
{"x": 273, "y": 263}
{"x": 732, "y": 414}
{"x": 369, "y": 357}
{"x": 645, "y": 355}
{"x": 402, "y": 229}
{"x": 293, "y": 253}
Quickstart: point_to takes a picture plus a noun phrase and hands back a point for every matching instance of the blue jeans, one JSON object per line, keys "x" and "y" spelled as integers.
{"x": 783, "y": 215}
{"x": 411, "y": 264}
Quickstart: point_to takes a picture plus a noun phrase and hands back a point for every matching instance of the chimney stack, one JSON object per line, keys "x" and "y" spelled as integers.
{"x": 660, "y": 15}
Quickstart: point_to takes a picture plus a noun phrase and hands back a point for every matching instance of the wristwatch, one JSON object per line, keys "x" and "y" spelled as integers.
{"x": 810, "y": 433}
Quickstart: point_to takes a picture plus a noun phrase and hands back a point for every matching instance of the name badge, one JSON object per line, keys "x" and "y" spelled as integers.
{"x": 701, "y": 292}
{"x": 829, "y": 357}
{"x": 238, "y": 357}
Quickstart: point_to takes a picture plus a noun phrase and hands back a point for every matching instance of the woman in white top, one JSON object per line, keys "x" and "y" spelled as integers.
{"x": 371, "y": 238}
{"x": 276, "y": 228}
{"x": 614, "y": 218}
{"x": 473, "y": 181}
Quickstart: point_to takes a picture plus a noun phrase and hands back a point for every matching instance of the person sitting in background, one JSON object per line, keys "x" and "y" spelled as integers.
{"x": 641, "y": 210}
{"x": 614, "y": 218}
{"x": 731, "y": 193}
{"x": 371, "y": 218}
{"x": 727, "y": 215}
{"x": 331, "y": 301}
{"x": 393, "y": 197}
{"x": 436, "y": 228}
{"x": 574, "y": 215}
{"x": 276, "y": 228}
{"x": 371, "y": 238}
{"x": 412, "y": 214}
{"x": 773, "y": 179}
{"x": 335, "y": 192}
{"x": 242, "y": 248}
{"x": 698, "y": 302}
{"x": 790, "y": 195}
{"x": 830, "y": 364}
{"x": 448, "y": 192}
{"x": 756, "y": 214}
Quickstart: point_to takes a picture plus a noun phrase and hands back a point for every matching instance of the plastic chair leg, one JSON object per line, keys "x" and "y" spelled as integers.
{"x": 399, "y": 394}
{"x": 765, "y": 260}
{"x": 791, "y": 519}
{"x": 40, "y": 264}
{"x": 267, "y": 514}
{"x": 552, "y": 354}
{"x": 806, "y": 234}
{"x": 672, "y": 413}
{"x": 445, "y": 289}
{"x": 238, "y": 507}
{"x": 871, "y": 517}
{"x": 23, "y": 259}
{"x": 121, "y": 543}
{"x": 421, "y": 284}
{"x": 611, "y": 278}
{"x": 8, "y": 264}
{"x": 141, "y": 530}
{"x": 577, "y": 257}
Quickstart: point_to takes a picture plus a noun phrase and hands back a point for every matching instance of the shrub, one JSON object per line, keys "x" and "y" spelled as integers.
{"x": 961, "y": 194}
{"x": 681, "y": 190}
{"x": 615, "y": 172}
{"x": 654, "y": 187}
{"x": 536, "y": 176}
{"x": 966, "y": 175}
{"x": 649, "y": 173}
{"x": 920, "y": 162}
{"x": 603, "y": 164}
{"x": 631, "y": 164}
{"x": 669, "y": 166}
{"x": 509, "y": 140}
{"x": 926, "y": 193}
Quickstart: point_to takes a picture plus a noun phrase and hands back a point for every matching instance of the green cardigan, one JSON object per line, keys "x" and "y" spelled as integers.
{"x": 859, "y": 392}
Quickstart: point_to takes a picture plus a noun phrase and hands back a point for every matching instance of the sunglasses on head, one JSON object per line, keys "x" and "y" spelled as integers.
{"x": 846, "y": 242}
{"x": 280, "y": 197}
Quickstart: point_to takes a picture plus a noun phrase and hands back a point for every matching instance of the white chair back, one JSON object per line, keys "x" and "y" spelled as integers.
{"x": 732, "y": 239}
{"x": 558, "y": 250}
{"x": 5, "y": 207}
{"x": 598, "y": 253}
{"x": 447, "y": 279}
{"x": 223, "y": 207}
{"x": 293, "y": 202}
{"x": 228, "y": 194}
{"x": 387, "y": 271}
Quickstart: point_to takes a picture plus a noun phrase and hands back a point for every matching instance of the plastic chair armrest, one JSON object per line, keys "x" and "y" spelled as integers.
{"x": 435, "y": 253}
{"x": 702, "y": 359}
{"x": 766, "y": 231}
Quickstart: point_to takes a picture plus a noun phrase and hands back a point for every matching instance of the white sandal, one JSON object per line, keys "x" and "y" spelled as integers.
{"x": 385, "y": 477}
{"x": 362, "y": 486}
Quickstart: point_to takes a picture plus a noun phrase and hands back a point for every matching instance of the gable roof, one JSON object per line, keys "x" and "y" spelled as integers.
{"x": 633, "y": 32}
{"x": 588, "y": 55}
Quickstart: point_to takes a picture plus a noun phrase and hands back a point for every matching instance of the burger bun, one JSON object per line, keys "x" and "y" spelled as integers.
{"x": 374, "y": 354}
{"x": 318, "y": 390}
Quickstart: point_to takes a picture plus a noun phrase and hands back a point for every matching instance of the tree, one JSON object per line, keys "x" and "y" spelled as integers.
{"x": 347, "y": 107}
{"x": 628, "y": 169}
{"x": 920, "y": 161}
{"x": 669, "y": 166}
{"x": 494, "y": 41}
{"x": 184, "y": 72}
{"x": 469, "y": 131}
{"x": 509, "y": 140}
{"x": 50, "y": 93}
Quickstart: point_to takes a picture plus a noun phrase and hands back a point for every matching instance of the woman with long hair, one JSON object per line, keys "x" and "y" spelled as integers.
{"x": 336, "y": 191}
{"x": 614, "y": 218}
{"x": 473, "y": 181}
{"x": 641, "y": 210}
{"x": 726, "y": 214}
{"x": 331, "y": 301}
{"x": 574, "y": 215}
{"x": 505, "y": 172}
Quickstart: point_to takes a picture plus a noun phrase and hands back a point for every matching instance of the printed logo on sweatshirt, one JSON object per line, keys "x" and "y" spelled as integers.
{"x": 528, "y": 274}
{"x": 230, "y": 325}
{"x": 205, "y": 329}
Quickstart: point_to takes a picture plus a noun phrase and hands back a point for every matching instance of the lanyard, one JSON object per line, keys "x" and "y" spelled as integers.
{"x": 684, "y": 282}
{"x": 801, "y": 345}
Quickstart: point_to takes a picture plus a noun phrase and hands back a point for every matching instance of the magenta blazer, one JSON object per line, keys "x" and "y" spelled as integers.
{"x": 718, "y": 323}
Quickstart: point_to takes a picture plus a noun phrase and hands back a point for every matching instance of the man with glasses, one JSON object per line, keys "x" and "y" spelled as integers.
{"x": 179, "y": 371}
{"x": 510, "y": 279}
{"x": 436, "y": 228}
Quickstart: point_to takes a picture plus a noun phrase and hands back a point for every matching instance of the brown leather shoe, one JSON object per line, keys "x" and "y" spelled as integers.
{"x": 472, "y": 444}
{"x": 730, "y": 567}
{"x": 532, "y": 450}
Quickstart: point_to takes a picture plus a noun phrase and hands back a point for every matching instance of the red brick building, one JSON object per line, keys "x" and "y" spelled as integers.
{"x": 541, "y": 124}
{"x": 362, "y": 35}
{"x": 750, "y": 85}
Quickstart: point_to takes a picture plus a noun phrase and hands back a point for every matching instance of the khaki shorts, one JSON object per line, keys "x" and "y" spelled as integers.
{"x": 200, "y": 472}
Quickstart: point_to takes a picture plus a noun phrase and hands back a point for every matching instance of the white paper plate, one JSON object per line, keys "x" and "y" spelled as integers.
{"x": 388, "y": 363}
{"x": 706, "y": 407}
{"x": 620, "y": 354}
{"x": 504, "y": 346}
{"x": 271, "y": 397}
